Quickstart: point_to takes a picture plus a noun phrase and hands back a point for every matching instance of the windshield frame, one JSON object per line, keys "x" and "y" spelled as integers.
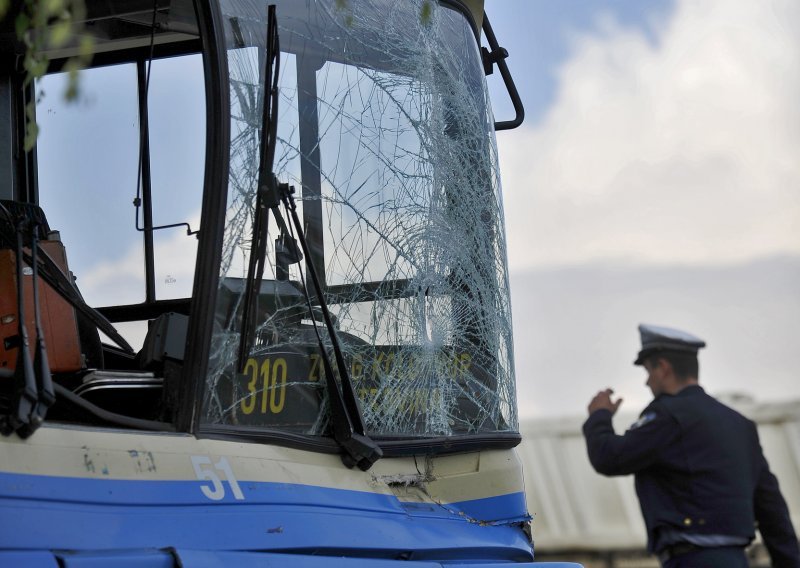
{"x": 209, "y": 249}
{"x": 399, "y": 445}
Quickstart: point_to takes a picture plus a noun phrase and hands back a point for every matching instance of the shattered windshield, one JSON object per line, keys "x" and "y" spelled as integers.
{"x": 385, "y": 131}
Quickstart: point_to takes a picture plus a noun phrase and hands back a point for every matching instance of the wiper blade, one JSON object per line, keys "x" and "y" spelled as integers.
{"x": 348, "y": 424}
{"x": 33, "y": 392}
{"x": 265, "y": 198}
{"x": 22, "y": 414}
{"x": 44, "y": 380}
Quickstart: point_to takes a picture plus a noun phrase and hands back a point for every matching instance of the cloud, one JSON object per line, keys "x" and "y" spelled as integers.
{"x": 680, "y": 151}
{"x": 122, "y": 280}
{"x": 575, "y": 330}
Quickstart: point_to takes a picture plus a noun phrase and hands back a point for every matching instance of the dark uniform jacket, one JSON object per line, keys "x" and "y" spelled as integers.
{"x": 699, "y": 468}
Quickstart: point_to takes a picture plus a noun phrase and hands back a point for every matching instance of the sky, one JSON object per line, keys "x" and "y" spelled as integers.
{"x": 654, "y": 180}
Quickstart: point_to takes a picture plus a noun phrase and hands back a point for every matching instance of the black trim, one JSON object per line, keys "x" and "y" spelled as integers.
{"x": 392, "y": 447}
{"x": 499, "y": 57}
{"x": 310, "y": 167}
{"x": 280, "y": 438}
{"x": 27, "y": 182}
{"x": 370, "y": 291}
{"x": 215, "y": 193}
{"x": 146, "y": 310}
{"x": 449, "y": 445}
{"x": 160, "y": 51}
{"x": 501, "y": 64}
{"x": 145, "y": 181}
{"x": 122, "y": 8}
{"x": 112, "y": 417}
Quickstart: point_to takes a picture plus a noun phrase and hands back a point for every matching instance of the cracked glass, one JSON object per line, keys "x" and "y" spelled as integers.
{"x": 386, "y": 134}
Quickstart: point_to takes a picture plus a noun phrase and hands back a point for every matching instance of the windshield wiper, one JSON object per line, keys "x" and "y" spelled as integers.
{"x": 33, "y": 385}
{"x": 348, "y": 425}
{"x": 265, "y": 199}
{"x": 26, "y": 395}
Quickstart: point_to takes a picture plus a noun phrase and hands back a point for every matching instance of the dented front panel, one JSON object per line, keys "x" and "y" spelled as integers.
{"x": 115, "y": 489}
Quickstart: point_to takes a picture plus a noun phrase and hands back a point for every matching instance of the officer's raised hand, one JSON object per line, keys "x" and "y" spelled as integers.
{"x": 602, "y": 400}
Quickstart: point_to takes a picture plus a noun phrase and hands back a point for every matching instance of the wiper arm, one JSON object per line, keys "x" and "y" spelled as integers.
{"x": 44, "y": 381}
{"x": 33, "y": 390}
{"x": 25, "y": 395}
{"x": 348, "y": 424}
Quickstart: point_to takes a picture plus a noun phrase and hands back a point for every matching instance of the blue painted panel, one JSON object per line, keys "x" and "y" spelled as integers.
{"x": 504, "y": 509}
{"x": 164, "y": 492}
{"x": 544, "y": 565}
{"x": 522, "y": 565}
{"x": 209, "y": 559}
{"x": 243, "y": 527}
{"x": 501, "y": 509}
{"x": 224, "y": 559}
{"x": 89, "y": 514}
{"x": 28, "y": 559}
{"x": 119, "y": 559}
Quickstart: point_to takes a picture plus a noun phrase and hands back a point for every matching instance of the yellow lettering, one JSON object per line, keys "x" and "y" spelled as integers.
{"x": 248, "y": 403}
{"x": 389, "y": 364}
{"x": 376, "y": 364}
{"x": 265, "y": 392}
{"x": 274, "y": 406}
{"x": 357, "y": 367}
{"x": 313, "y": 372}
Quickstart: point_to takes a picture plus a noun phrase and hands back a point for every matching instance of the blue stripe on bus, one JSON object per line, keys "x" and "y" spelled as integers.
{"x": 49, "y": 512}
{"x": 84, "y": 490}
{"x": 224, "y": 559}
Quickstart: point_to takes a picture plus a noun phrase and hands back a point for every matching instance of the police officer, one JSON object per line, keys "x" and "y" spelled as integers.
{"x": 701, "y": 476}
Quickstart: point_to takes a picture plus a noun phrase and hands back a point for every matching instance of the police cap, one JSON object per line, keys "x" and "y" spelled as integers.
{"x": 657, "y": 338}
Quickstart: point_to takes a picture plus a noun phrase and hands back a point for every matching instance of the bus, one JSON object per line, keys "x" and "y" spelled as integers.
{"x": 254, "y": 287}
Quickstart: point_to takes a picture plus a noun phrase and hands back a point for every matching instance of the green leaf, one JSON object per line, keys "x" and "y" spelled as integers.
{"x": 52, "y": 7}
{"x": 31, "y": 128}
{"x": 73, "y": 80}
{"x": 86, "y": 48}
{"x": 31, "y": 134}
{"x": 50, "y": 23}
{"x": 35, "y": 67}
{"x": 60, "y": 33}
{"x": 22, "y": 23}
